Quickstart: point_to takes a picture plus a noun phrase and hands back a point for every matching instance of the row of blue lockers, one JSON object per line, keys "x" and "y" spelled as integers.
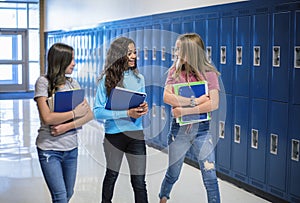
{"x": 256, "y": 48}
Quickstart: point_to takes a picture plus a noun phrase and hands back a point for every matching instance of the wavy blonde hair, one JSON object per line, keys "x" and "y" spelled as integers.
{"x": 192, "y": 57}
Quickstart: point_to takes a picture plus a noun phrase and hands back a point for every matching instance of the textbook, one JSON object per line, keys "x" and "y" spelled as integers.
{"x": 124, "y": 99}
{"x": 66, "y": 100}
{"x": 195, "y": 89}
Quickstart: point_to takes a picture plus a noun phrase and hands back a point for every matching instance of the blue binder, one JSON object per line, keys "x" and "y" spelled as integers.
{"x": 124, "y": 99}
{"x": 195, "y": 89}
{"x": 67, "y": 100}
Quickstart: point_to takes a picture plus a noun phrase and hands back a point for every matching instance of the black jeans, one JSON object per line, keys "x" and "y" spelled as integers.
{"x": 132, "y": 144}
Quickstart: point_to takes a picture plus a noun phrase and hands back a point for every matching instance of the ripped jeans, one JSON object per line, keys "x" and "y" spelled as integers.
{"x": 197, "y": 137}
{"x": 59, "y": 169}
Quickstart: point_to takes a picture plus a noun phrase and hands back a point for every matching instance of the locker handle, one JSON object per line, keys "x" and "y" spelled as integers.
{"x": 154, "y": 109}
{"x": 163, "y": 112}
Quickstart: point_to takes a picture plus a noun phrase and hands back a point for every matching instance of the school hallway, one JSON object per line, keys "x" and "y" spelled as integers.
{"x": 21, "y": 178}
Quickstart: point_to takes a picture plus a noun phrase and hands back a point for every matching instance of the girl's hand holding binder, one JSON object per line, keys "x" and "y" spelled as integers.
{"x": 81, "y": 109}
{"x": 182, "y": 111}
{"x": 138, "y": 111}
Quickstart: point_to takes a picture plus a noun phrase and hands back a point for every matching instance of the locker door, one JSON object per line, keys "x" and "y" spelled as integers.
{"x": 226, "y": 52}
{"x": 147, "y": 71}
{"x": 260, "y": 55}
{"x": 242, "y": 53}
{"x": 200, "y": 27}
{"x": 280, "y": 57}
{"x": 296, "y": 60}
{"x": 276, "y": 146}
{"x": 187, "y": 24}
{"x": 223, "y": 152}
{"x": 257, "y": 145}
{"x": 212, "y": 36}
{"x": 293, "y": 154}
{"x": 156, "y": 80}
{"x": 166, "y": 63}
{"x": 240, "y": 138}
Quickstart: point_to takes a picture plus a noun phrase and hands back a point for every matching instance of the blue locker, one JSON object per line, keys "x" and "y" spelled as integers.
{"x": 240, "y": 138}
{"x": 257, "y": 144}
{"x": 242, "y": 52}
{"x": 226, "y": 52}
{"x": 165, "y": 64}
{"x": 223, "y": 150}
{"x": 277, "y": 148}
{"x": 212, "y": 36}
{"x": 280, "y": 57}
{"x": 200, "y": 26}
{"x": 188, "y": 24}
{"x": 156, "y": 80}
{"x": 293, "y": 154}
{"x": 296, "y": 60}
{"x": 260, "y": 55}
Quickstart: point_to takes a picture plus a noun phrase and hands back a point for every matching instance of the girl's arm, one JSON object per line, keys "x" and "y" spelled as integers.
{"x": 179, "y": 101}
{"x": 51, "y": 118}
{"x": 54, "y": 118}
{"x": 62, "y": 128}
{"x": 207, "y": 106}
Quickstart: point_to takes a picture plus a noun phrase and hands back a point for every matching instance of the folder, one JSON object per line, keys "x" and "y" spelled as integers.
{"x": 124, "y": 99}
{"x": 195, "y": 89}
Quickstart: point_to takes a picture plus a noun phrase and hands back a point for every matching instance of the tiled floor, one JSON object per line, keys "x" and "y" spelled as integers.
{"x": 21, "y": 180}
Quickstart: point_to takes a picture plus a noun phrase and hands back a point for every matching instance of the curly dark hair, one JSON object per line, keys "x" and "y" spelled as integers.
{"x": 116, "y": 63}
{"x": 59, "y": 58}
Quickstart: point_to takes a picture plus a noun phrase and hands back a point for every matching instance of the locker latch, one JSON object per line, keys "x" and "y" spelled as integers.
{"x": 209, "y": 53}
{"x": 237, "y": 133}
{"x": 145, "y": 53}
{"x": 295, "y": 150}
{"x": 239, "y": 55}
{"x": 154, "y": 54}
{"x": 222, "y": 129}
{"x": 254, "y": 138}
{"x": 163, "y": 113}
{"x": 276, "y": 56}
{"x": 223, "y": 55}
{"x": 163, "y": 54}
{"x": 274, "y": 144}
{"x": 297, "y": 57}
{"x": 256, "y": 56}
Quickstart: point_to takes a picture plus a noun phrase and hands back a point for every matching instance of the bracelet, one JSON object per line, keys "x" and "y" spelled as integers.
{"x": 192, "y": 101}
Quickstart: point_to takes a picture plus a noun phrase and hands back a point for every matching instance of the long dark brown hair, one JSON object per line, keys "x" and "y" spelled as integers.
{"x": 59, "y": 58}
{"x": 116, "y": 63}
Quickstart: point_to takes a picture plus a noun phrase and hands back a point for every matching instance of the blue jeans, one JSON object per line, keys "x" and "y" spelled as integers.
{"x": 199, "y": 139}
{"x": 59, "y": 169}
{"x": 132, "y": 144}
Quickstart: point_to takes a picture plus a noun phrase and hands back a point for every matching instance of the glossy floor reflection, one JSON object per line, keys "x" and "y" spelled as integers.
{"x": 21, "y": 179}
